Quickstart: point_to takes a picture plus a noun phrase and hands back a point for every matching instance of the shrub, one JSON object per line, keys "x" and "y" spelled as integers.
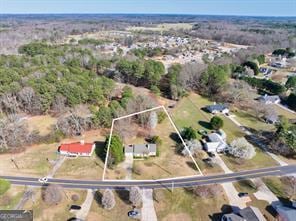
{"x": 161, "y": 116}
{"x": 156, "y": 140}
{"x": 189, "y": 133}
{"x": 216, "y": 123}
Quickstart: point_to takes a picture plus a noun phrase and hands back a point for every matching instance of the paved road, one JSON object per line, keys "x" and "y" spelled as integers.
{"x": 151, "y": 184}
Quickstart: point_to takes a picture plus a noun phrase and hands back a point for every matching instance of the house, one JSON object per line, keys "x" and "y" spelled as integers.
{"x": 216, "y": 142}
{"x": 285, "y": 213}
{"x": 140, "y": 150}
{"x": 249, "y": 213}
{"x": 77, "y": 149}
{"x": 217, "y": 108}
{"x": 267, "y": 99}
{"x": 271, "y": 118}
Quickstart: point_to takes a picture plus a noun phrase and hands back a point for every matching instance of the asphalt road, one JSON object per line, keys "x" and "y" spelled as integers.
{"x": 156, "y": 184}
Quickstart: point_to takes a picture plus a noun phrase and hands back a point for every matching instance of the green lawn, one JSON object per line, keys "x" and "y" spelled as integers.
{"x": 283, "y": 112}
{"x": 11, "y": 198}
{"x": 188, "y": 112}
{"x": 183, "y": 205}
{"x": 248, "y": 120}
{"x": 261, "y": 160}
{"x": 245, "y": 186}
{"x": 275, "y": 185}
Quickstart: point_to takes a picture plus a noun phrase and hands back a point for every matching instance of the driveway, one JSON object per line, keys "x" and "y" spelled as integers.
{"x": 232, "y": 194}
{"x": 263, "y": 192}
{"x": 148, "y": 211}
{"x": 85, "y": 207}
{"x": 127, "y": 165}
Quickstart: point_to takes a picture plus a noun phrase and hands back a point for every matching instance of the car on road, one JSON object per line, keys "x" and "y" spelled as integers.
{"x": 43, "y": 180}
{"x": 133, "y": 214}
{"x": 241, "y": 194}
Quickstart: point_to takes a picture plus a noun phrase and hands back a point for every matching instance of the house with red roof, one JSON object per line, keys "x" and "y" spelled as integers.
{"x": 77, "y": 149}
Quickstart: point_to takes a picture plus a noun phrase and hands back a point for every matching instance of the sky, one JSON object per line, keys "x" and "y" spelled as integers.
{"x": 201, "y": 7}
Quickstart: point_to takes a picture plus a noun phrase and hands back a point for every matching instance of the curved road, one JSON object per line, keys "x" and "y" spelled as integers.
{"x": 162, "y": 183}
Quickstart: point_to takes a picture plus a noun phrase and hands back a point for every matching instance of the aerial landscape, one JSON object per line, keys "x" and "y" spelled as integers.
{"x": 147, "y": 110}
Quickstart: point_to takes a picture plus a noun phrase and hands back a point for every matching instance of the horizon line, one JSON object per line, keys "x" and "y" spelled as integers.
{"x": 141, "y": 13}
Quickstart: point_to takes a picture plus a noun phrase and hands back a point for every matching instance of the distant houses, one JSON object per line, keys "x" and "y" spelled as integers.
{"x": 141, "y": 150}
{"x": 77, "y": 149}
{"x": 217, "y": 108}
{"x": 269, "y": 99}
{"x": 216, "y": 142}
{"x": 249, "y": 213}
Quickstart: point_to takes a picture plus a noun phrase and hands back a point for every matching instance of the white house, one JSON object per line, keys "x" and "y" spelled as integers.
{"x": 267, "y": 99}
{"x": 216, "y": 142}
{"x": 217, "y": 108}
{"x": 140, "y": 150}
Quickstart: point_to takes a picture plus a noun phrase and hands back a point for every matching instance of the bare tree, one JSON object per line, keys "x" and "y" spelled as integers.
{"x": 193, "y": 146}
{"x": 153, "y": 119}
{"x": 208, "y": 191}
{"x": 135, "y": 196}
{"x": 241, "y": 148}
{"x": 9, "y": 103}
{"x": 52, "y": 194}
{"x": 108, "y": 200}
{"x": 13, "y": 133}
{"x": 290, "y": 186}
{"x": 29, "y": 100}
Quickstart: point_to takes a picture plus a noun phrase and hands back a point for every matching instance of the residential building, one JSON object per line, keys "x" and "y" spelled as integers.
{"x": 140, "y": 150}
{"x": 285, "y": 213}
{"x": 217, "y": 108}
{"x": 216, "y": 142}
{"x": 269, "y": 99}
{"x": 249, "y": 213}
{"x": 77, "y": 149}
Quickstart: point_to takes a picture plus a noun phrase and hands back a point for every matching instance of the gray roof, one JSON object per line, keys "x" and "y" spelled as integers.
{"x": 233, "y": 217}
{"x": 268, "y": 98}
{"x": 251, "y": 213}
{"x": 289, "y": 213}
{"x": 216, "y": 107}
{"x": 140, "y": 148}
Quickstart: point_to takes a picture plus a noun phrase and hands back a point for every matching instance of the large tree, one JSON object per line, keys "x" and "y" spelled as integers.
{"x": 108, "y": 199}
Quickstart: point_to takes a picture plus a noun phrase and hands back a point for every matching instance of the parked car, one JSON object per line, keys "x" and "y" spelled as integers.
{"x": 211, "y": 154}
{"x": 75, "y": 207}
{"x": 133, "y": 214}
{"x": 241, "y": 194}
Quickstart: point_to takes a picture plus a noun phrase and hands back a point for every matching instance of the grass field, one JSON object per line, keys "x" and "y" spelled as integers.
{"x": 59, "y": 212}
{"x": 275, "y": 185}
{"x": 10, "y": 199}
{"x": 261, "y": 160}
{"x": 119, "y": 212}
{"x": 162, "y": 27}
{"x": 283, "y": 112}
{"x": 34, "y": 161}
{"x": 248, "y": 120}
{"x": 183, "y": 205}
{"x": 42, "y": 123}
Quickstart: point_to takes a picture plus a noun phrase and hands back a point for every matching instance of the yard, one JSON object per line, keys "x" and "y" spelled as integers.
{"x": 34, "y": 161}
{"x": 181, "y": 204}
{"x": 263, "y": 206}
{"x": 250, "y": 121}
{"x": 11, "y": 198}
{"x": 119, "y": 212}
{"x": 188, "y": 112}
{"x": 169, "y": 162}
{"x": 42, "y": 211}
{"x": 261, "y": 160}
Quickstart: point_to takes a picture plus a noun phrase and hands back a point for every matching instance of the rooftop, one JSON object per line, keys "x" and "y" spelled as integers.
{"x": 77, "y": 147}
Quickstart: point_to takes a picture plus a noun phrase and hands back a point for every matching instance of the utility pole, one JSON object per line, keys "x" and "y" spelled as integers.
{"x": 173, "y": 184}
